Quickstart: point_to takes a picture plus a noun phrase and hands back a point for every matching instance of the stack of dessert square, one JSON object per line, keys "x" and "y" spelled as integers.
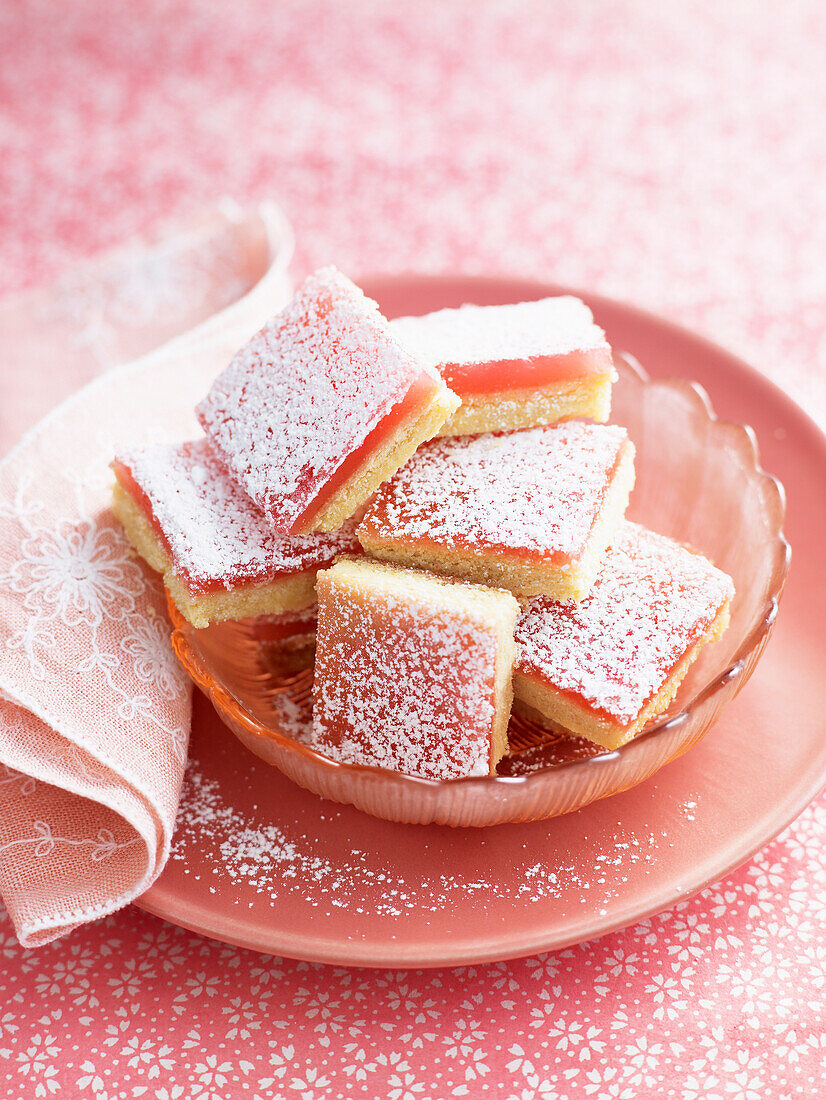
{"x": 443, "y": 494}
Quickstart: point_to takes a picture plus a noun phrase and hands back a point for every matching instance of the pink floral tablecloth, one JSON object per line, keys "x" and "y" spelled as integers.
{"x": 671, "y": 155}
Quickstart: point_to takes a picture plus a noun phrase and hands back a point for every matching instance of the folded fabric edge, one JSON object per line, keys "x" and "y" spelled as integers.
{"x": 27, "y": 704}
{"x": 139, "y": 813}
{"x": 136, "y": 811}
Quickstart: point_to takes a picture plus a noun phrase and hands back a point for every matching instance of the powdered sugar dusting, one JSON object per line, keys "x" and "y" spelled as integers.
{"x": 404, "y": 679}
{"x": 540, "y": 758}
{"x": 493, "y": 334}
{"x": 615, "y": 648}
{"x": 216, "y": 535}
{"x": 305, "y": 393}
{"x": 537, "y": 490}
{"x": 249, "y": 858}
{"x": 272, "y": 860}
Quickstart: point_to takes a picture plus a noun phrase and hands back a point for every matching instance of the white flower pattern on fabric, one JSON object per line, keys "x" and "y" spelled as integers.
{"x": 147, "y": 644}
{"x": 83, "y": 573}
{"x": 78, "y": 573}
{"x": 24, "y": 783}
{"x": 43, "y": 842}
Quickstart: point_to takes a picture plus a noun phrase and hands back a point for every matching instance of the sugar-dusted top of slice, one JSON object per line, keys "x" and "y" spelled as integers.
{"x": 405, "y": 669}
{"x": 536, "y": 491}
{"x": 305, "y": 393}
{"x": 486, "y": 334}
{"x": 214, "y": 533}
{"x": 616, "y": 648}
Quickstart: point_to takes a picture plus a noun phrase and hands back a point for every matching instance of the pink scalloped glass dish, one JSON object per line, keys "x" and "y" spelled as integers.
{"x": 699, "y": 481}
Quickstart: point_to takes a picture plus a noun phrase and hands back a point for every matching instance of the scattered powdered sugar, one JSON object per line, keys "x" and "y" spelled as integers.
{"x": 615, "y": 649}
{"x": 244, "y": 856}
{"x": 271, "y": 860}
{"x": 252, "y": 848}
{"x": 404, "y": 676}
{"x": 536, "y": 490}
{"x": 214, "y": 532}
{"x": 305, "y": 393}
{"x": 494, "y": 334}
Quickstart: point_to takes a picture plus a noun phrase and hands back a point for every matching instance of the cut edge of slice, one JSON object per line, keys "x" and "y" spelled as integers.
{"x": 524, "y": 578}
{"x": 382, "y": 462}
{"x": 292, "y": 592}
{"x": 495, "y": 607}
{"x": 510, "y": 410}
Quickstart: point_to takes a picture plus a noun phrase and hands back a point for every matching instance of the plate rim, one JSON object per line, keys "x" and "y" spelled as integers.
{"x": 191, "y": 916}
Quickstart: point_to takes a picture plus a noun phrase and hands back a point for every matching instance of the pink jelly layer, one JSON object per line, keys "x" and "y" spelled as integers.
{"x": 407, "y": 687}
{"x": 580, "y": 701}
{"x": 504, "y": 375}
{"x": 193, "y": 587}
{"x": 141, "y": 499}
{"x": 421, "y": 393}
{"x": 378, "y": 516}
{"x": 387, "y": 676}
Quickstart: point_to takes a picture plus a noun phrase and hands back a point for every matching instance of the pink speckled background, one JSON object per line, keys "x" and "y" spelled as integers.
{"x": 671, "y": 155}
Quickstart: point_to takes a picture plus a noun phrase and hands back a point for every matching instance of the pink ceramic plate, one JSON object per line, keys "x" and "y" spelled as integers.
{"x": 262, "y": 863}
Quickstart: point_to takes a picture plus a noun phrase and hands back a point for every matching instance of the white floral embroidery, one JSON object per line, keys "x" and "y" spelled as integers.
{"x": 24, "y": 784}
{"x": 82, "y": 573}
{"x": 147, "y": 644}
{"x": 77, "y": 572}
{"x": 101, "y": 847}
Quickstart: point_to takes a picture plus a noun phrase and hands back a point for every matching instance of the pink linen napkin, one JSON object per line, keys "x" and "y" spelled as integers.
{"x": 94, "y": 709}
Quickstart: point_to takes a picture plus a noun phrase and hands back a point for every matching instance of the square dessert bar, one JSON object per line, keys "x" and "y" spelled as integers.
{"x": 531, "y": 511}
{"x": 413, "y": 671}
{"x": 604, "y": 667}
{"x": 219, "y": 557}
{"x": 321, "y": 406}
{"x": 515, "y": 366}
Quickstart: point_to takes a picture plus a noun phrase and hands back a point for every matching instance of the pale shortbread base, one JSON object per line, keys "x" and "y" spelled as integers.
{"x": 548, "y": 707}
{"x": 290, "y": 593}
{"x": 383, "y": 462}
{"x": 524, "y": 577}
{"x": 499, "y": 608}
{"x": 509, "y": 410}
